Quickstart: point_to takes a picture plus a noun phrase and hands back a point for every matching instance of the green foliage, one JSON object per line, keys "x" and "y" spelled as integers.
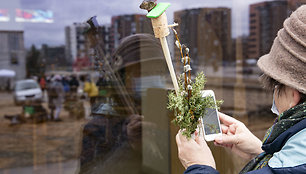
{"x": 188, "y": 111}
{"x": 188, "y": 104}
{"x": 33, "y": 63}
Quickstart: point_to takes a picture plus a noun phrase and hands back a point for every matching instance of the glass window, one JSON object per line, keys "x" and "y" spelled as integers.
{"x": 14, "y": 58}
{"x": 14, "y": 41}
{"x": 91, "y": 81}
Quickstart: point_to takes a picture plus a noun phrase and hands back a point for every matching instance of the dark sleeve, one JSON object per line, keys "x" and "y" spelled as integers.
{"x": 282, "y": 170}
{"x": 94, "y": 142}
{"x": 200, "y": 169}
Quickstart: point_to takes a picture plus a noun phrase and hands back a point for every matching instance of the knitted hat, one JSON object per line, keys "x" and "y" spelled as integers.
{"x": 286, "y": 61}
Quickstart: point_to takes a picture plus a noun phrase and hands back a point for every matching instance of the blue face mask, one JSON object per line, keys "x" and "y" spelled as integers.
{"x": 274, "y": 108}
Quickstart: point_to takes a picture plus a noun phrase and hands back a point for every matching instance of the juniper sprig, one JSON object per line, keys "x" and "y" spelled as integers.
{"x": 188, "y": 104}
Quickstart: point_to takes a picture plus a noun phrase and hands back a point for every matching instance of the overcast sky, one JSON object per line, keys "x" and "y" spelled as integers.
{"x": 68, "y": 11}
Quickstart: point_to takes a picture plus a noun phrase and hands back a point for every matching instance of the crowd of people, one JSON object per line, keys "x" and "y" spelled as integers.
{"x": 60, "y": 89}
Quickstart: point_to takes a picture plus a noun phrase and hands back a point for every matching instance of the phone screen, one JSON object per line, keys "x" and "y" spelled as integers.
{"x": 210, "y": 122}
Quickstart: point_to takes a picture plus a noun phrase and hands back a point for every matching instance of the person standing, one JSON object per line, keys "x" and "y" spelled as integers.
{"x": 42, "y": 83}
{"x": 74, "y": 84}
{"x": 91, "y": 89}
{"x": 56, "y": 97}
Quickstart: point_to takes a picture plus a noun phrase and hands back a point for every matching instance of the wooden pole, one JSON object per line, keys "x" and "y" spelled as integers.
{"x": 165, "y": 47}
{"x": 161, "y": 30}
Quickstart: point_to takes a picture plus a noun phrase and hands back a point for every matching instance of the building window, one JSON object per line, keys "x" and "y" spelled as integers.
{"x": 13, "y": 41}
{"x": 14, "y": 59}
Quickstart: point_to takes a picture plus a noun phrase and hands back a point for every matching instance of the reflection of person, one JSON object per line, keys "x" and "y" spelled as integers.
{"x": 283, "y": 148}
{"x": 66, "y": 85}
{"x": 42, "y": 83}
{"x": 56, "y": 96}
{"x": 112, "y": 138}
{"x": 74, "y": 84}
{"x": 91, "y": 89}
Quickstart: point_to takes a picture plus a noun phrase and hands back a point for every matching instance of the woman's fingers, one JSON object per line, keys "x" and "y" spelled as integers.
{"x": 177, "y": 138}
{"x": 227, "y": 139}
{"x": 180, "y": 138}
{"x": 229, "y": 146}
{"x": 227, "y": 120}
{"x": 232, "y": 129}
{"x": 200, "y": 140}
{"x": 224, "y": 128}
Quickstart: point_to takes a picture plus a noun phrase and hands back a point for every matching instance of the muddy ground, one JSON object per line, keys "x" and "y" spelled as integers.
{"x": 34, "y": 144}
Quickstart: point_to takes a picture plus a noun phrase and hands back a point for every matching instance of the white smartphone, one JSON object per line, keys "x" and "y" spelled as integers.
{"x": 210, "y": 121}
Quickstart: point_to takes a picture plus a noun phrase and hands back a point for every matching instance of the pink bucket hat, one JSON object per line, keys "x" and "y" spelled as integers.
{"x": 286, "y": 62}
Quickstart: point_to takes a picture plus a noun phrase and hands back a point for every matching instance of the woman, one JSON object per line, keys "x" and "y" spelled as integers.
{"x": 112, "y": 138}
{"x": 283, "y": 149}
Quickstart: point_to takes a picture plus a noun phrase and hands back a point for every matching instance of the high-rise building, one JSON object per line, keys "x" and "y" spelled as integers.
{"x": 12, "y": 48}
{"x": 266, "y": 18}
{"x": 12, "y": 52}
{"x": 104, "y": 35}
{"x": 53, "y": 56}
{"x": 294, "y": 4}
{"x": 207, "y": 32}
{"x": 126, "y": 25}
{"x": 78, "y": 48}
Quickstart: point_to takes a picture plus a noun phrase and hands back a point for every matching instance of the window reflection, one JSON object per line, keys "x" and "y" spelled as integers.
{"x": 65, "y": 108}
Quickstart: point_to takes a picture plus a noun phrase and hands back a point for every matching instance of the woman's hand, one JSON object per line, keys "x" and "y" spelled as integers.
{"x": 134, "y": 126}
{"x": 237, "y": 137}
{"x": 194, "y": 151}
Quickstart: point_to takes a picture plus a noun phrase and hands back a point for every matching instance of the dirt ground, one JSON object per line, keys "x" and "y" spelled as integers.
{"x": 31, "y": 144}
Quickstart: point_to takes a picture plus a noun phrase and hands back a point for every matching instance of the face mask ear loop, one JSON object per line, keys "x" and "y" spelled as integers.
{"x": 274, "y": 108}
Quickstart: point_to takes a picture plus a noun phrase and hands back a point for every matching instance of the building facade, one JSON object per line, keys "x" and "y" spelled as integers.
{"x": 294, "y": 4}
{"x": 53, "y": 57}
{"x": 207, "y": 32}
{"x": 126, "y": 25}
{"x": 104, "y": 35}
{"x": 265, "y": 19}
{"x": 78, "y": 50}
{"x": 12, "y": 53}
{"x": 76, "y": 46}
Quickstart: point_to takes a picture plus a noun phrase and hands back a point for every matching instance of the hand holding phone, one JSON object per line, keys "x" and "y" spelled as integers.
{"x": 210, "y": 120}
{"x": 238, "y": 138}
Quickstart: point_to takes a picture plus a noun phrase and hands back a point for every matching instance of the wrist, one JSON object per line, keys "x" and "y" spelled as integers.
{"x": 201, "y": 169}
{"x": 257, "y": 151}
{"x": 205, "y": 163}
